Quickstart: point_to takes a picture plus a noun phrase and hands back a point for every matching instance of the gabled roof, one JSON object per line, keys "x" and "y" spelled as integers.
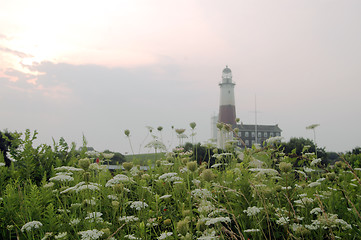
{"x": 265, "y": 128}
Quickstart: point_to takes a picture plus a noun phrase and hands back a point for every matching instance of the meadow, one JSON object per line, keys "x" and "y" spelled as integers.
{"x": 258, "y": 193}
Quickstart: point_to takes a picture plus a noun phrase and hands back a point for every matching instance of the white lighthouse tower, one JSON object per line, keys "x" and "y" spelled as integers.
{"x": 227, "y": 108}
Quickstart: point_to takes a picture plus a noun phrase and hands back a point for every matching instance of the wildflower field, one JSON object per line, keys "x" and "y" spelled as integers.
{"x": 258, "y": 193}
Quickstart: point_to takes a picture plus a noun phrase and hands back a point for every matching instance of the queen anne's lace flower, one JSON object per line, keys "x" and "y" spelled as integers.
{"x": 251, "y": 211}
{"x": 169, "y": 177}
{"x": 62, "y": 178}
{"x": 74, "y": 221}
{"x": 91, "y": 234}
{"x": 120, "y": 178}
{"x": 208, "y": 234}
{"x": 211, "y": 221}
{"x": 201, "y": 193}
{"x": 94, "y": 217}
{"x": 315, "y": 161}
{"x": 128, "y": 219}
{"x": 61, "y": 235}
{"x": 29, "y": 226}
{"x": 165, "y": 235}
{"x": 68, "y": 168}
{"x": 138, "y": 205}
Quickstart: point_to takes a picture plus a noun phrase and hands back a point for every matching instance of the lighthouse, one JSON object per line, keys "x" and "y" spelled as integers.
{"x": 227, "y": 109}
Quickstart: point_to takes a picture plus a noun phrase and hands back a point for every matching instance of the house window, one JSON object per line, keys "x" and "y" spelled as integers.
{"x": 247, "y": 143}
{"x": 259, "y": 134}
{"x": 278, "y": 134}
{"x": 240, "y": 134}
{"x": 253, "y": 142}
{"x": 265, "y": 134}
{"x": 253, "y": 134}
{"x": 271, "y": 134}
{"x": 246, "y": 134}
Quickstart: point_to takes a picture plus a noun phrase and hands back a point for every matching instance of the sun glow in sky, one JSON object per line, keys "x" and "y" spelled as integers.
{"x": 131, "y": 64}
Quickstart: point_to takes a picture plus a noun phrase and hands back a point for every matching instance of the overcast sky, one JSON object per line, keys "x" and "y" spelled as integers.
{"x": 69, "y": 68}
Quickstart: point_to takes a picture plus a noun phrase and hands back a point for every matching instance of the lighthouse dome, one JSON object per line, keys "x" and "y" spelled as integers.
{"x": 227, "y": 70}
{"x": 227, "y": 75}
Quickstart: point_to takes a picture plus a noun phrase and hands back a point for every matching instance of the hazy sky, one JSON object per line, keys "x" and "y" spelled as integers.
{"x": 96, "y": 68}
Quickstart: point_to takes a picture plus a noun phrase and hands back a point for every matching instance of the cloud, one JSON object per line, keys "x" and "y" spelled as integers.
{"x": 14, "y": 52}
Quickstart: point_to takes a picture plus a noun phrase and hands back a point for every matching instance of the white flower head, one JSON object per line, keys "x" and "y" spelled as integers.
{"x": 315, "y": 162}
{"x": 29, "y": 226}
{"x": 91, "y": 234}
{"x": 128, "y": 219}
{"x": 252, "y": 211}
{"x": 138, "y": 205}
{"x": 165, "y": 235}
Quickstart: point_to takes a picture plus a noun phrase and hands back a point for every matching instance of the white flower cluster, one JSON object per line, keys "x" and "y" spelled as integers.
{"x": 2, "y": 164}
{"x": 308, "y": 170}
{"x": 196, "y": 181}
{"x": 316, "y": 211}
{"x": 205, "y": 207}
{"x": 92, "y": 201}
{"x": 49, "y": 185}
{"x": 97, "y": 167}
{"x": 61, "y": 235}
{"x": 217, "y": 212}
{"x": 68, "y": 168}
{"x": 112, "y": 197}
{"x": 296, "y": 226}
{"x": 252, "y": 211}
{"x": 273, "y": 140}
{"x": 184, "y": 170}
{"x": 128, "y": 219}
{"x": 138, "y": 205}
{"x": 208, "y": 234}
{"x": 170, "y": 177}
{"x": 119, "y": 178}
{"x": 315, "y": 162}
{"x": 152, "y": 222}
{"x": 201, "y": 193}
{"x": 211, "y": 221}
{"x": 62, "y": 177}
{"x": 303, "y": 201}
{"x": 132, "y": 237}
{"x": 29, "y": 226}
{"x": 314, "y": 184}
{"x": 95, "y": 217}
{"x": 74, "y": 221}
{"x": 91, "y": 234}
{"x": 134, "y": 171}
{"x": 282, "y": 220}
{"x": 82, "y": 186}
{"x": 165, "y": 235}
{"x": 301, "y": 172}
{"x": 92, "y": 153}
